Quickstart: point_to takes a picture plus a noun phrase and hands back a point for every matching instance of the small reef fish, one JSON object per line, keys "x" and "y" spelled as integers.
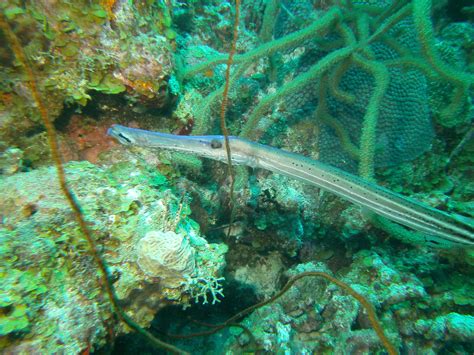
{"x": 438, "y": 228}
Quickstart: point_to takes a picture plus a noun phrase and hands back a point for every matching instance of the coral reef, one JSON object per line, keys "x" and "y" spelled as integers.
{"x": 80, "y": 48}
{"x": 44, "y": 257}
{"x": 315, "y": 317}
{"x": 452, "y": 326}
{"x": 379, "y": 88}
{"x": 311, "y": 317}
{"x": 167, "y": 255}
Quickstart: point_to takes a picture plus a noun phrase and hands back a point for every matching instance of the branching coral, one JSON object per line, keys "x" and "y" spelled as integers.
{"x": 373, "y": 43}
{"x": 225, "y": 93}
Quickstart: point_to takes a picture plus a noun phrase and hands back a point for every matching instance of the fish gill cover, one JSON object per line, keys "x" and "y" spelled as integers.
{"x": 381, "y": 89}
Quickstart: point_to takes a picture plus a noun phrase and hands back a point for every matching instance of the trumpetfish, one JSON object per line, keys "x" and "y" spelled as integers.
{"x": 440, "y": 228}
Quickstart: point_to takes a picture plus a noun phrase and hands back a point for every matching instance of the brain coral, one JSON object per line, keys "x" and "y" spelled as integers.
{"x": 166, "y": 255}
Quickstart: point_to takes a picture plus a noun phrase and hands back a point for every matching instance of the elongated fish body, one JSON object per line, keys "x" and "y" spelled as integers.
{"x": 445, "y": 229}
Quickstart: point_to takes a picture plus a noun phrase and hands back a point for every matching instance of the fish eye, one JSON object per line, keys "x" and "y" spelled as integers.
{"x": 216, "y": 144}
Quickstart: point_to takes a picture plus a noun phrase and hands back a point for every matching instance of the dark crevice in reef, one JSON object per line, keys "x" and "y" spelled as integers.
{"x": 34, "y": 131}
{"x": 97, "y": 108}
{"x": 119, "y": 108}
{"x": 104, "y": 105}
{"x": 64, "y": 118}
{"x": 458, "y": 11}
{"x": 175, "y": 320}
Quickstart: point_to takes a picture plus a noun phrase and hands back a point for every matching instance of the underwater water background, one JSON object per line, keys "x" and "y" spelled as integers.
{"x": 117, "y": 240}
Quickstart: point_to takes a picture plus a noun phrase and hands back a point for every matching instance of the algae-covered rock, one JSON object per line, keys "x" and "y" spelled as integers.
{"x": 51, "y": 299}
{"x": 312, "y": 317}
{"x": 452, "y": 326}
{"x": 263, "y": 277}
{"x": 76, "y": 49}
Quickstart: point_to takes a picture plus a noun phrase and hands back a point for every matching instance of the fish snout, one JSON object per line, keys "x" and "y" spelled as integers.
{"x": 116, "y": 131}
